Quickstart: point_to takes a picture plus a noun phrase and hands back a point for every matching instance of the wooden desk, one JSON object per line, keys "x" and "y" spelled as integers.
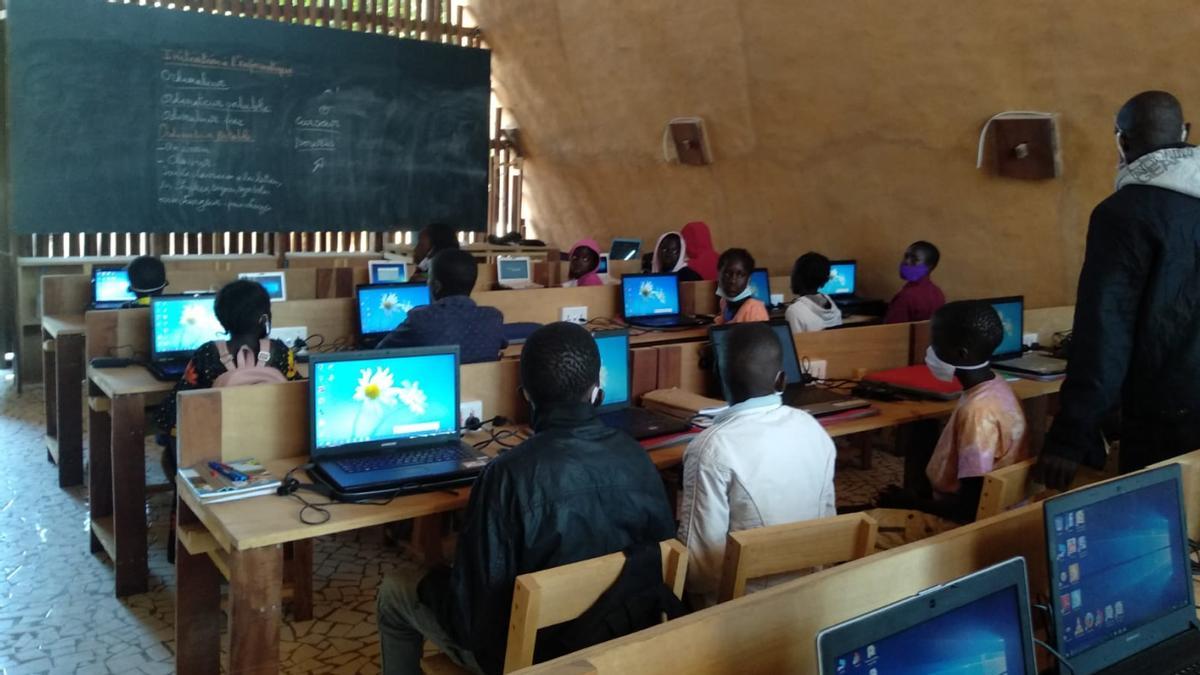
{"x": 62, "y": 368}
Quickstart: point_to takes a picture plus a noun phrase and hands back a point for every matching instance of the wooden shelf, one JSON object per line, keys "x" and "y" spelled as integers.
{"x": 104, "y": 532}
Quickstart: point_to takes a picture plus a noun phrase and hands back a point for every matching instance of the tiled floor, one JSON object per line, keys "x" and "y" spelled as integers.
{"x": 58, "y": 613}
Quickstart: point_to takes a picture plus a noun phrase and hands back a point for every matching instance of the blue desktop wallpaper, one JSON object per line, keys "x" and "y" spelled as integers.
{"x": 841, "y": 279}
{"x": 383, "y": 308}
{"x": 183, "y": 324}
{"x": 1012, "y": 316}
{"x": 1120, "y": 566}
{"x": 650, "y": 295}
{"x": 760, "y": 286}
{"x": 614, "y": 367}
{"x": 113, "y": 286}
{"x": 272, "y": 284}
{"x": 791, "y": 366}
{"x": 508, "y": 270}
{"x": 378, "y": 399}
{"x": 389, "y": 273}
{"x": 981, "y": 638}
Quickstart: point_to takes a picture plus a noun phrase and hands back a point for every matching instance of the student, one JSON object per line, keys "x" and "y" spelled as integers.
{"x": 760, "y": 463}
{"x": 920, "y": 297}
{"x": 453, "y": 318}
{"x": 432, "y": 240}
{"x": 670, "y": 255}
{"x": 701, "y": 256}
{"x": 812, "y": 310}
{"x": 576, "y": 489}
{"x": 147, "y": 278}
{"x": 737, "y": 303}
{"x": 584, "y": 261}
{"x": 985, "y": 432}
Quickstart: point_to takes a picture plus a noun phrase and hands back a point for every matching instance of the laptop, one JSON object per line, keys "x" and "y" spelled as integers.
{"x": 977, "y": 624}
{"x": 382, "y": 307}
{"x": 815, "y": 400}
{"x": 179, "y": 325}
{"x": 110, "y": 288}
{"x": 617, "y": 410}
{"x": 624, "y": 249}
{"x": 274, "y": 282}
{"x": 1120, "y": 577}
{"x": 760, "y": 289}
{"x": 843, "y": 282}
{"x": 652, "y": 301}
{"x": 1008, "y": 356}
{"x": 386, "y": 422}
{"x": 515, "y": 272}
{"x": 387, "y": 271}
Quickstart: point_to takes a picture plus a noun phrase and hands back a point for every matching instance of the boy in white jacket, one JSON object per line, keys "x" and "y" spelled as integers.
{"x": 760, "y": 463}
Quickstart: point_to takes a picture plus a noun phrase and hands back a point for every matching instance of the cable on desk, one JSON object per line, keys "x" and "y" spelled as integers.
{"x": 1061, "y": 659}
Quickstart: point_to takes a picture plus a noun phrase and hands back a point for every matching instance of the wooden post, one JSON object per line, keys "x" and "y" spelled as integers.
{"x": 99, "y": 465}
{"x": 255, "y": 582}
{"x": 198, "y": 614}
{"x": 69, "y": 406}
{"x": 128, "y": 419}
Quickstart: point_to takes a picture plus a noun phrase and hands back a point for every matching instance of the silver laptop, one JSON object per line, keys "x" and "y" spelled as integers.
{"x": 515, "y": 272}
{"x": 1009, "y": 356}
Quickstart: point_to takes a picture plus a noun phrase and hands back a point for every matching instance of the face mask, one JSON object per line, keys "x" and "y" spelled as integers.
{"x": 746, "y": 292}
{"x": 913, "y": 272}
{"x": 945, "y": 371}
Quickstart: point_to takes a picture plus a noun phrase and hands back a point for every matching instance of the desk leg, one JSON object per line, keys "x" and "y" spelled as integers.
{"x": 69, "y": 354}
{"x": 100, "y": 483}
{"x": 129, "y": 493}
{"x": 255, "y": 585}
{"x": 49, "y": 361}
{"x": 427, "y": 536}
{"x": 198, "y": 614}
{"x": 300, "y": 569}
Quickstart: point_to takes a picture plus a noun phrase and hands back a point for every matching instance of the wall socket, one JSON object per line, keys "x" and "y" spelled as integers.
{"x": 817, "y": 368}
{"x": 468, "y": 408}
{"x": 574, "y": 314}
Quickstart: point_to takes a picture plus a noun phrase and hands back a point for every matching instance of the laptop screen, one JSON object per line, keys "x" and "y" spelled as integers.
{"x": 375, "y": 398}
{"x": 624, "y": 249}
{"x": 181, "y": 323}
{"x": 603, "y": 267}
{"x": 1012, "y": 315}
{"x": 273, "y": 282}
{"x": 512, "y": 269}
{"x": 382, "y": 307}
{"x": 760, "y": 285}
{"x": 111, "y": 284}
{"x": 791, "y": 365}
{"x": 1118, "y": 562}
{"x": 388, "y": 272}
{"x": 614, "y": 366}
{"x": 842, "y": 274}
{"x": 650, "y": 294}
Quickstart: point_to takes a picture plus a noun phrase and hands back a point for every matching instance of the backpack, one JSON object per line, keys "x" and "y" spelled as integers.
{"x": 638, "y": 599}
{"x": 245, "y": 369}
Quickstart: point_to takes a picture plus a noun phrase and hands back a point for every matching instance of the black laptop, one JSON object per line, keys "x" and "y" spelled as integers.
{"x": 652, "y": 301}
{"x": 616, "y": 381}
{"x": 383, "y": 307}
{"x": 179, "y": 325}
{"x": 978, "y": 624}
{"x": 386, "y": 422}
{"x": 1121, "y": 578}
{"x": 110, "y": 288}
{"x": 1009, "y": 355}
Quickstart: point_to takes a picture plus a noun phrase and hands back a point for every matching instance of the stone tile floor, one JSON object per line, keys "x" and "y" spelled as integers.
{"x": 57, "y": 609}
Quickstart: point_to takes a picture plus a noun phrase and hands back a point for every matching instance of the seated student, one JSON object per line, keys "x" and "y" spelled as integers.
{"x": 760, "y": 463}
{"x": 584, "y": 261}
{"x": 701, "y": 256}
{"x": 453, "y": 318}
{"x": 576, "y": 489}
{"x": 147, "y": 278}
{"x": 920, "y": 297}
{"x": 670, "y": 255}
{"x": 733, "y": 287}
{"x": 812, "y": 309}
{"x": 986, "y": 431}
{"x": 432, "y": 240}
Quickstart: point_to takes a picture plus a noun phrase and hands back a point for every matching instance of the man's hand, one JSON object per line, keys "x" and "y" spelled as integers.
{"x": 1055, "y": 472}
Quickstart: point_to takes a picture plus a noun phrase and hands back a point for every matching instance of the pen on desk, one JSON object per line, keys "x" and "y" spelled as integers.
{"x": 228, "y": 471}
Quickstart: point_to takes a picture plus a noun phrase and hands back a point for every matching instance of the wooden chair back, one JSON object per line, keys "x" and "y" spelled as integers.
{"x": 794, "y": 547}
{"x": 557, "y": 595}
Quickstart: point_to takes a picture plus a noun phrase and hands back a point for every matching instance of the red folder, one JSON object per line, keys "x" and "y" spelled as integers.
{"x": 917, "y": 380}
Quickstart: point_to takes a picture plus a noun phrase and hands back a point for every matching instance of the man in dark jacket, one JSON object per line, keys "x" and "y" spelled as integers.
{"x": 576, "y": 489}
{"x": 1136, "y": 340}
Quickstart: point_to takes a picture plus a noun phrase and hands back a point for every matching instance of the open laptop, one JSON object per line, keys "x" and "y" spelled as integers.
{"x": 382, "y": 307}
{"x": 1120, "y": 577}
{"x": 1008, "y": 356}
{"x": 110, "y": 288}
{"x": 760, "y": 289}
{"x": 652, "y": 301}
{"x": 387, "y": 271}
{"x": 179, "y": 325}
{"x": 386, "y": 422}
{"x": 515, "y": 272}
{"x": 624, "y": 249}
{"x": 843, "y": 282}
{"x": 274, "y": 282}
{"x": 815, "y": 400}
{"x": 977, "y": 624}
{"x": 617, "y": 410}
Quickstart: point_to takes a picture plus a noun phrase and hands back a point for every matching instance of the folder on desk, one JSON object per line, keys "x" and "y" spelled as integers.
{"x": 916, "y": 381}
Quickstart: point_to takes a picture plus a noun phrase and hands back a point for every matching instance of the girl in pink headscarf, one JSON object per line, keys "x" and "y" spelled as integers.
{"x": 701, "y": 256}
{"x": 584, "y": 261}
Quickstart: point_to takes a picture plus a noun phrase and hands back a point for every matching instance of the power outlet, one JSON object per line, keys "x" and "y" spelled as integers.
{"x": 817, "y": 368}
{"x": 574, "y": 314}
{"x": 467, "y": 409}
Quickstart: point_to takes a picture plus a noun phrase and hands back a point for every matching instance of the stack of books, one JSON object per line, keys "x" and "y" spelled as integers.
{"x": 214, "y": 481}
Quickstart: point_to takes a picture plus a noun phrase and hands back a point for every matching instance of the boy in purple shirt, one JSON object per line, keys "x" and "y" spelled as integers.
{"x": 920, "y": 297}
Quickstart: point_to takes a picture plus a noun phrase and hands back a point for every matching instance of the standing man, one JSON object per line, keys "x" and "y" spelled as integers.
{"x": 1136, "y": 340}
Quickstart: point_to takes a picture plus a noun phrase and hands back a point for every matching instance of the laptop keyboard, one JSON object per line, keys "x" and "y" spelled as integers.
{"x": 1193, "y": 669}
{"x": 453, "y": 452}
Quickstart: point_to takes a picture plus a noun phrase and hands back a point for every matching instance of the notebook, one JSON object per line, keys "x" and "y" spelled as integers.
{"x": 110, "y": 288}
{"x": 179, "y": 325}
{"x": 515, "y": 272}
{"x": 387, "y": 271}
{"x": 214, "y": 487}
{"x": 617, "y": 410}
{"x": 274, "y": 282}
{"x": 383, "y": 307}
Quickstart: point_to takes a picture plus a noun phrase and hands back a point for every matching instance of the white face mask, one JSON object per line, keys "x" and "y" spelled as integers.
{"x": 945, "y": 371}
{"x": 746, "y": 292}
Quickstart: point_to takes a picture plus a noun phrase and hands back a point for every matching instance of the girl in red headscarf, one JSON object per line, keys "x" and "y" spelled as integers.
{"x": 701, "y": 256}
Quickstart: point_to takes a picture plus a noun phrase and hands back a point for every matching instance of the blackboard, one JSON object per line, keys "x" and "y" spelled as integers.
{"x": 140, "y": 119}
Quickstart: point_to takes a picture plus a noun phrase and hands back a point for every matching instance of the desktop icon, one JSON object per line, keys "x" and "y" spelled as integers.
{"x": 1070, "y": 521}
{"x": 1078, "y": 627}
{"x": 1076, "y": 598}
{"x": 1108, "y": 613}
{"x": 1088, "y": 620}
{"x": 1058, "y": 524}
{"x": 1079, "y": 518}
{"x": 1082, "y": 544}
{"x": 1072, "y": 546}
{"x": 1062, "y": 551}
{"x": 871, "y": 652}
{"x": 1073, "y": 572}
{"x": 1119, "y": 609}
{"x": 1064, "y": 601}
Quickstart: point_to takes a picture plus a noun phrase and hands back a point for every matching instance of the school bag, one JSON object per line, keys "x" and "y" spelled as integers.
{"x": 247, "y": 368}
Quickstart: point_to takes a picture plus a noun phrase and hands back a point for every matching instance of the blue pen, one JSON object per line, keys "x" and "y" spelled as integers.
{"x": 229, "y": 472}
